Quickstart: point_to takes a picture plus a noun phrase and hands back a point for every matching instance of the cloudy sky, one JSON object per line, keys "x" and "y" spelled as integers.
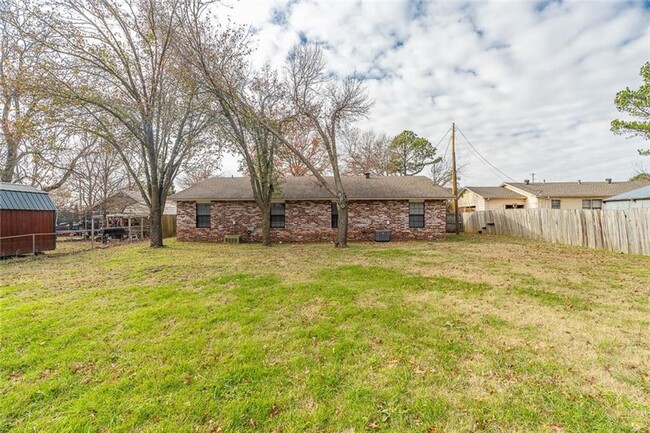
{"x": 531, "y": 84}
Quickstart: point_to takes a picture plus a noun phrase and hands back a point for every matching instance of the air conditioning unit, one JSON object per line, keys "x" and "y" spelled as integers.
{"x": 382, "y": 235}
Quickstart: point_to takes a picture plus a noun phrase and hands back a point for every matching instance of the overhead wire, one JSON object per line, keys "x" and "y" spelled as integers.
{"x": 482, "y": 158}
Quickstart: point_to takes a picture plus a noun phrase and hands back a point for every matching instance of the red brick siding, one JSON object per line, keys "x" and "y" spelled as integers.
{"x": 310, "y": 221}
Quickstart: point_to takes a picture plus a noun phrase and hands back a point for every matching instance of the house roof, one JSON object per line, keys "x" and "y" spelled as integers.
{"x": 492, "y": 192}
{"x": 577, "y": 189}
{"x": 642, "y": 193}
{"x": 309, "y": 188}
{"x": 22, "y": 197}
{"x": 129, "y": 202}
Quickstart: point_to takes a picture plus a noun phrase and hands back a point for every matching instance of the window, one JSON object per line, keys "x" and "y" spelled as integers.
{"x": 277, "y": 215}
{"x": 592, "y": 204}
{"x": 555, "y": 204}
{"x": 335, "y": 216}
{"x": 203, "y": 215}
{"x": 514, "y": 206}
{"x": 416, "y": 215}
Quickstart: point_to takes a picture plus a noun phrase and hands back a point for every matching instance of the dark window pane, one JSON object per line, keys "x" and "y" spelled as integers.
{"x": 203, "y": 211}
{"x": 416, "y": 215}
{"x": 555, "y": 204}
{"x": 277, "y": 215}
{"x": 335, "y": 216}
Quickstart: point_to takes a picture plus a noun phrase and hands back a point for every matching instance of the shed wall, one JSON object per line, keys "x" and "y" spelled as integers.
{"x": 26, "y": 222}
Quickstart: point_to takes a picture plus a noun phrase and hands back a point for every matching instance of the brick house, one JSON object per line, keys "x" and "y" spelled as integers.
{"x": 411, "y": 207}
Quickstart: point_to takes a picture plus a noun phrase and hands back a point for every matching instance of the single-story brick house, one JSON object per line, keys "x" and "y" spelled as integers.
{"x": 411, "y": 207}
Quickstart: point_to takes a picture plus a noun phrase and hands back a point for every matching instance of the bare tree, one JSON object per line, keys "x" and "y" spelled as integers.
{"x": 366, "y": 152}
{"x": 129, "y": 79}
{"x": 36, "y": 147}
{"x": 440, "y": 172}
{"x": 328, "y": 104}
{"x": 310, "y": 147}
{"x": 97, "y": 176}
{"x": 241, "y": 101}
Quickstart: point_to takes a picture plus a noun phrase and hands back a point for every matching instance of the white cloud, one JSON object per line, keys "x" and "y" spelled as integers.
{"x": 531, "y": 84}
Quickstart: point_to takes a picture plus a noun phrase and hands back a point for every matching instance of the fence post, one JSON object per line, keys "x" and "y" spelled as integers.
{"x": 34, "y": 243}
{"x": 92, "y": 232}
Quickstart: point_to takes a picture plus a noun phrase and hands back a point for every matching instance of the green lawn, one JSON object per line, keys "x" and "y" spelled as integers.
{"x": 472, "y": 334}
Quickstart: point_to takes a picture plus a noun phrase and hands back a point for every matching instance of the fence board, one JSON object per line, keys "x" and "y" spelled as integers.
{"x": 624, "y": 231}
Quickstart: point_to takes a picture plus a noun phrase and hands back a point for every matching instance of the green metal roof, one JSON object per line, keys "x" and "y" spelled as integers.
{"x": 21, "y": 197}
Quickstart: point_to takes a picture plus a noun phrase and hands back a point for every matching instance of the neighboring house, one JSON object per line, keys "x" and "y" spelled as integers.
{"x": 478, "y": 198}
{"x": 130, "y": 202}
{"x": 127, "y": 208}
{"x": 411, "y": 207}
{"x": 570, "y": 195}
{"x": 24, "y": 212}
{"x": 636, "y": 199}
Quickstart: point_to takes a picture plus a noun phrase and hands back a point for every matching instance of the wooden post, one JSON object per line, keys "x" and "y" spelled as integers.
{"x": 454, "y": 185}
{"x": 141, "y": 227}
{"x": 92, "y": 231}
{"x": 129, "y": 227}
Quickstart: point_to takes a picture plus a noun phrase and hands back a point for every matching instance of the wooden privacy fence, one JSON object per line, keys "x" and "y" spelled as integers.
{"x": 168, "y": 226}
{"x": 624, "y": 231}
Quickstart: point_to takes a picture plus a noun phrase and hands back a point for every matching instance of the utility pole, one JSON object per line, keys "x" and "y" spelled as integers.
{"x": 454, "y": 186}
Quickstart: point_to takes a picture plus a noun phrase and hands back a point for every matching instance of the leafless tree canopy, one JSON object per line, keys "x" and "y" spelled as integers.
{"x": 329, "y": 104}
{"x": 132, "y": 87}
{"x": 366, "y": 152}
{"x": 36, "y": 147}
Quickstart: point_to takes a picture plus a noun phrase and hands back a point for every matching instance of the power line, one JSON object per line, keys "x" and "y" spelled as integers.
{"x": 443, "y": 137}
{"x": 484, "y": 158}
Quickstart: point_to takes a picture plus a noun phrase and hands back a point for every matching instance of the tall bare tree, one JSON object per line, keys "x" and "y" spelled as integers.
{"x": 245, "y": 103}
{"x": 366, "y": 152}
{"x": 131, "y": 83}
{"x": 36, "y": 146}
{"x": 329, "y": 104}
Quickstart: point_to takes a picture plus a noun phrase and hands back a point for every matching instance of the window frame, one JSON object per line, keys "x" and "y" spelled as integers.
{"x": 416, "y": 220}
{"x": 277, "y": 219}
{"x": 588, "y": 202}
{"x": 559, "y": 203}
{"x": 334, "y": 216}
{"x": 200, "y": 221}
{"x": 598, "y": 200}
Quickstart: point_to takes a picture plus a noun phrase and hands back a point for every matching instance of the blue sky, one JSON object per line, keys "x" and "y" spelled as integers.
{"x": 531, "y": 84}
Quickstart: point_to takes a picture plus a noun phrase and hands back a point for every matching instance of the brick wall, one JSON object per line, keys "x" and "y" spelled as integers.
{"x": 310, "y": 221}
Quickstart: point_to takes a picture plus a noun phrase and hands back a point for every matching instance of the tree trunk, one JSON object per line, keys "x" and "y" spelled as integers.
{"x": 266, "y": 226}
{"x": 155, "y": 219}
{"x": 342, "y": 234}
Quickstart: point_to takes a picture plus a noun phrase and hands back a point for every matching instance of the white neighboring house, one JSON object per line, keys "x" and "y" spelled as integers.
{"x": 636, "y": 199}
{"x": 477, "y": 198}
{"x": 544, "y": 195}
{"x": 570, "y": 195}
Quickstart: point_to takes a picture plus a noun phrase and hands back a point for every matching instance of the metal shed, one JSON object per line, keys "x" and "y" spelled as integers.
{"x": 27, "y": 220}
{"x": 636, "y": 199}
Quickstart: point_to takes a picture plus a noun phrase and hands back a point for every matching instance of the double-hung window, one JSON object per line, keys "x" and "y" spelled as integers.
{"x": 335, "y": 216}
{"x": 203, "y": 215}
{"x": 277, "y": 215}
{"x": 592, "y": 204}
{"x": 416, "y": 215}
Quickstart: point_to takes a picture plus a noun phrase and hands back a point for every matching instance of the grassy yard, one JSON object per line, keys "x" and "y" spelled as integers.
{"x": 472, "y": 334}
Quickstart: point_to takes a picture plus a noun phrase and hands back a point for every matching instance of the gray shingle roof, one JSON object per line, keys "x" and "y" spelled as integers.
{"x": 22, "y": 197}
{"x": 636, "y": 194}
{"x": 309, "y": 188}
{"x": 494, "y": 192}
{"x": 575, "y": 189}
